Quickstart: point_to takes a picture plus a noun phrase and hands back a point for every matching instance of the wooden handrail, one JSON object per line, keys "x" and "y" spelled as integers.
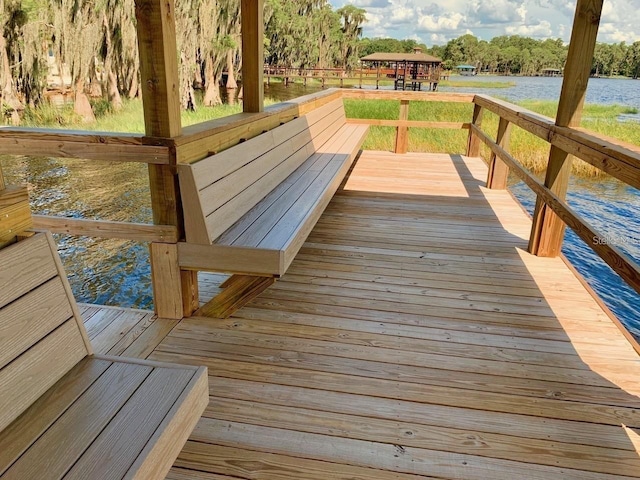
{"x": 140, "y": 232}
{"x": 619, "y": 261}
{"x": 616, "y": 160}
{"x": 112, "y": 147}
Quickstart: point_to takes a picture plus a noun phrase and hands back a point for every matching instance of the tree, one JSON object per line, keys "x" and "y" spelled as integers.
{"x": 352, "y": 20}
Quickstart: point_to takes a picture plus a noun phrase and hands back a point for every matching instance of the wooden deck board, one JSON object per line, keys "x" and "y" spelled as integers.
{"x": 413, "y": 337}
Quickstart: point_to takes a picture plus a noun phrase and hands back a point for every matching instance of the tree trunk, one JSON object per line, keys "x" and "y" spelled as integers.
{"x": 112, "y": 89}
{"x": 187, "y": 95}
{"x": 231, "y": 78}
{"x": 95, "y": 87}
{"x": 134, "y": 82}
{"x": 212, "y": 86}
{"x": 9, "y": 95}
{"x": 81, "y": 103}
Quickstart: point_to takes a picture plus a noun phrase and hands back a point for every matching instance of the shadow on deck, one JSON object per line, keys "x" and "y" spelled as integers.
{"x": 413, "y": 337}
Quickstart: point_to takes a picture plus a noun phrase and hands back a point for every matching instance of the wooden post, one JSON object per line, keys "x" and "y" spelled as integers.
{"x": 2, "y": 184}
{"x": 498, "y": 170}
{"x": 547, "y": 233}
{"x": 402, "y": 132}
{"x": 251, "y": 12}
{"x": 473, "y": 144}
{"x": 361, "y": 67}
{"x": 377, "y": 75}
{"x": 161, "y": 102}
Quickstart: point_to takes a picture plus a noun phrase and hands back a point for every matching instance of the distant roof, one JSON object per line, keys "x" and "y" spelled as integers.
{"x": 401, "y": 57}
{"x": 466, "y": 67}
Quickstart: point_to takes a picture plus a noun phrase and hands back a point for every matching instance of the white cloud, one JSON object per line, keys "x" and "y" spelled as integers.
{"x": 437, "y": 21}
{"x": 542, "y": 29}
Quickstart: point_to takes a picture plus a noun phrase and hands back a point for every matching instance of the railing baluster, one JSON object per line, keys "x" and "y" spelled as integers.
{"x": 473, "y": 145}
{"x": 498, "y": 170}
{"x": 402, "y": 132}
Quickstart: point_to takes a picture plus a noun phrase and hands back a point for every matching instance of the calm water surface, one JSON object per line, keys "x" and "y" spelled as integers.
{"x": 116, "y": 272}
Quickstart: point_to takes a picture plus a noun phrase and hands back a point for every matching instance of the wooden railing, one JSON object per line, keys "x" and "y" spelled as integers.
{"x": 199, "y": 141}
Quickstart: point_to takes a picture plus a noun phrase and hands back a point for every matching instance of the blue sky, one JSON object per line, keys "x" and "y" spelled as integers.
{"x": 437, "y": 21}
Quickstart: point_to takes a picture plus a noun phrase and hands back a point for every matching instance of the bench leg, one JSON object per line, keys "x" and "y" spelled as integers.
{"x": 238, "y": 290}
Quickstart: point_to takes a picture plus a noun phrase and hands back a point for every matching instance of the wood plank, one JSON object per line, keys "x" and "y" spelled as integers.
{"x": 226, "y": 259}
{"x": 408, "y": 95}
{"x": 18, "y": 437}
{"x": 14, "y": 219}
{"x": 402, "y": 132}
{"x": 109, "y": 455}
{"x": 506, "y": 447}
{"x": 380, "y": 455}
{"x": 498, "y": 171}
{"x": 166, "y": 280}
{"x": 12, "y": 194}
{"x": 140, "y": 232}
{"x": 101, "y": 146}
{"x": 150, "y": 338}
{"x": 248, "y": 463}
{"x": 96, "y": 407}
{"x": 168, "y": 440}
{"x": 25, "y": 379}
{"x": 252, "y": 55}
{"x": 26, "y": 321}
{"x": 235, "y": 296}
{"x": 410, "y": 123}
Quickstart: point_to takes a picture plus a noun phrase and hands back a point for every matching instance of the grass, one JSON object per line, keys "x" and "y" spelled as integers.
{"x": 530, "y": 150}
{"x": 129, "y": 119}
{"x": 475, "y": 84}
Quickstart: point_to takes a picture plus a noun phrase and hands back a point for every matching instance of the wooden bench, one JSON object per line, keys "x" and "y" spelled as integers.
{"x": 65, "y": 413}
{"x": 249, "y": 209}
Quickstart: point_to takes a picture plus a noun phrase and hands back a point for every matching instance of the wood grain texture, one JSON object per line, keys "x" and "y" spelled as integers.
{"x": 413, "y": 337}
{"x": 12, "y": 194}
{"x": 402, "y": 131}
{"x": 498, "y": 171}
{"x": 233, "y": 297}
{"x": 166, "y": 280}
{"x": 139, "y": 232}
{"x": 619, "y": 261}
{"x": 14, "y": 219}
{"x": 251, "y": 13}
{"x": 84, "y": 145}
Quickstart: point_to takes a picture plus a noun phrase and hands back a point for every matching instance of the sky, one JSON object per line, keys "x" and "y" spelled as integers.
{"x": 438, "y": 21}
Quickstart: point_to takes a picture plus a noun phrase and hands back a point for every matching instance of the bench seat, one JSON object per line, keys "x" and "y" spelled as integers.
{"x": 265, "y": 238}
{"x": 66, "y": 413}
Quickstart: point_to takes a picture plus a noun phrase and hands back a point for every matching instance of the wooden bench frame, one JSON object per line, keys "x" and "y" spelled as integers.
{"x": 249, "y": 209}
{"x": 65, "y": 412}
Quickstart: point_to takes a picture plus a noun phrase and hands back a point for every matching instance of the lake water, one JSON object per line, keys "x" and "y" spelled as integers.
{"x": 115, "y": 272}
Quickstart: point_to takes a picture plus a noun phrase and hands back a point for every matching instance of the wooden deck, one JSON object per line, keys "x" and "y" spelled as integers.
{"x": 413, "y": 337}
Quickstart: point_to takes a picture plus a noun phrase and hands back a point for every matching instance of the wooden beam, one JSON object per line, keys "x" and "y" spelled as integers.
{"x": 14, "y": 219}
{"x": 498, "y": 170}
{"x": 235, "y": 295}
{"x": 166, "y": 280}
{"x": 473, "y": 144}
{"x": 413, "y": 96}
{"x": 2, "y": 183}
{"x": 121, "y": 147}
{"x": 251, "y": 12}
{"x": 547, "y": 233}
{"x": 140, "y": 232}
{"x": 618, "y": 260}
{"x": 409, "y": 123}
{"x": 402, "y": 131}
{"x": 161, "y": 101}
{"x": 612, "y": 156}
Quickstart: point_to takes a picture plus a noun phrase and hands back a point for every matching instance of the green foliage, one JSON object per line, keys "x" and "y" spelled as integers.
{"x": 310, "y": 34}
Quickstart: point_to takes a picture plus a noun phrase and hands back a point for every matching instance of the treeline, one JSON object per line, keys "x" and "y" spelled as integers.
{"x": 517, "y": 55}
{"x": 93, "y": 47}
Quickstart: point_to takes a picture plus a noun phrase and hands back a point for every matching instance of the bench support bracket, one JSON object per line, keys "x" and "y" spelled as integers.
{"x": 238, "y": 290}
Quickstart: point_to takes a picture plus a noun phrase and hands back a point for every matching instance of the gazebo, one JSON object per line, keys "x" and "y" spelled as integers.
{"x": 409, "y": 70}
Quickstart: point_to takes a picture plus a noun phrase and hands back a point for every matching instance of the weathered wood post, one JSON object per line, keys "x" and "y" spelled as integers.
{"x": 15, "y": 213}
{"x": 252, "y": 21}
{"x": 547, "y": 233}
{"x": 175, "y": 293}
{"x": 473, "y": 143}
{"x": 498, "y": 170}
{"x": 402, "y": 132}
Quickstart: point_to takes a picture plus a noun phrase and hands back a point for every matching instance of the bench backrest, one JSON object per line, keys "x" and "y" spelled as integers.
{"x": 217, "y": 191}
{"x": 41, "y": 332}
